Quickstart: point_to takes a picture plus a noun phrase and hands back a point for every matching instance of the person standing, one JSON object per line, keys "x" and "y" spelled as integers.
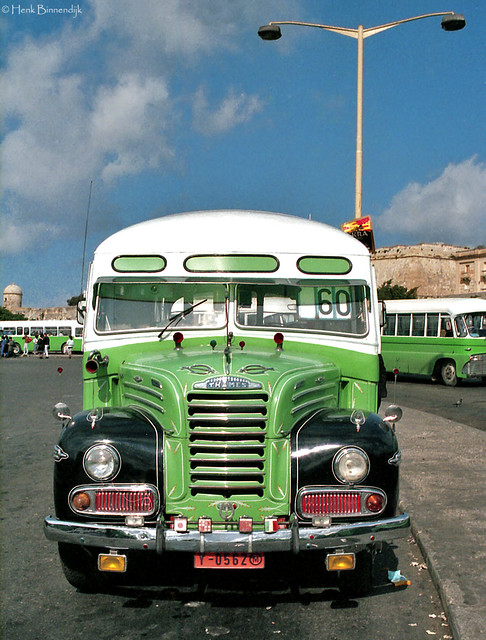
{"x": 69, "y": 346}
{"x": 27, "y": 340}
{"x": 47, "y": 344}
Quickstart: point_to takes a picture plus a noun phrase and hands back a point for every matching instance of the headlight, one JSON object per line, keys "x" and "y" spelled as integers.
{"x": 351, "y": 465}
{"x": 101, "y": 462}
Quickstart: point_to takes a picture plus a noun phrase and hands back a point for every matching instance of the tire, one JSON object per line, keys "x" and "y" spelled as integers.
{"x": 64, "y": 349}
{"x": 16, "y": 349}
{"x": 358, "y": 582}
{"x": 448, "y": 373}
{"x": 79, "y": 567}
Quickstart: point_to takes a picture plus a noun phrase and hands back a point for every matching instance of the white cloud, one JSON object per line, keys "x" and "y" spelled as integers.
{"x": 67, "y": 120}
{"x": 450, "y": 209}
{"x": 234, "y": 109}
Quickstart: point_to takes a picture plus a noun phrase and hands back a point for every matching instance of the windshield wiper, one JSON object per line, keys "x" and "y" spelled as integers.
{"x": 178, "y": 316}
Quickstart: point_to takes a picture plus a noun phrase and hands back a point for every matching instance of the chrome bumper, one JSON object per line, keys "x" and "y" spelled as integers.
{"x": 297, "y": 538}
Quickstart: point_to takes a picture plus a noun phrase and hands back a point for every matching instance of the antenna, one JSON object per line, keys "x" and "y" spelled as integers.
{"x": 85, "y": 236}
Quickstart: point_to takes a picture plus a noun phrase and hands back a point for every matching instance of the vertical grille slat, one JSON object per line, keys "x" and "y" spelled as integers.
{"x": 337, "y": 503}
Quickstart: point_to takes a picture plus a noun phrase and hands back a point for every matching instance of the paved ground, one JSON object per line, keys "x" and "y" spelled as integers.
{"x": 443, "y": 487}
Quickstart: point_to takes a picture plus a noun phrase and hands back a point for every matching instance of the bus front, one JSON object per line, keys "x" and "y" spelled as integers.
{"x": 229, "y": 403}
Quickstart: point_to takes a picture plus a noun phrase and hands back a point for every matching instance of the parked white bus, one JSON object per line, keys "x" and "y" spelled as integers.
{"x": 440, "y": 337}
{"x": 57, "y": 330}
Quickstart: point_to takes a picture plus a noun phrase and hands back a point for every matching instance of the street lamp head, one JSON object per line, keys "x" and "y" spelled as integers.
{"x": 270, "y": 32}
{"x": 453, "y": 22}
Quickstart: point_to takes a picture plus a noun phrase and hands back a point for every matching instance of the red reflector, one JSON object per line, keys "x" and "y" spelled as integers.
{"x": 204, "y": 525}
{"x": 374, "y": 502}
{"x": 178, "y": 337}
{"x": 331, "y": 503}
{"x": 245, "y": 524}
{"x": 122, "y": 501}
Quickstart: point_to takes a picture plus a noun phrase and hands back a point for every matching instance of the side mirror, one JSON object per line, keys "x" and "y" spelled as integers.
{"x": 81, "y": 311}
{"x": 61, "y": 412}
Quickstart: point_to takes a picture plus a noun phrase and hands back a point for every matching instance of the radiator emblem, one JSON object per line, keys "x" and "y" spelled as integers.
{"x": 227, "y": 382}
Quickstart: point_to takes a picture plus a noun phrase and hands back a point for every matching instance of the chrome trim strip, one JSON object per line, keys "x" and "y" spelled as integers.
{"x": 144, "y": 401}
{"x": 345, "y": 536}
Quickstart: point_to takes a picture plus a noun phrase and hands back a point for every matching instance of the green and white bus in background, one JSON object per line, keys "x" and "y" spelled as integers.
{"x": 57, "y": 330}
{"x": 231, "y": 383}
{"x": 440, "y": 337}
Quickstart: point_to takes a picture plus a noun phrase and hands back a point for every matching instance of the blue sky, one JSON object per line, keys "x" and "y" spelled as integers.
{"x": 177, "y": 105}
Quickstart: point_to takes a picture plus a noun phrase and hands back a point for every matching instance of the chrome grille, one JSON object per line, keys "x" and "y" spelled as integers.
{"x": 227, "y": 443}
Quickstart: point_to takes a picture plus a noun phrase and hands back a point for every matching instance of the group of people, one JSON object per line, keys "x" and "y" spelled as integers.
{"x": 7, "y": 347}
{"x": 41, "y": 345}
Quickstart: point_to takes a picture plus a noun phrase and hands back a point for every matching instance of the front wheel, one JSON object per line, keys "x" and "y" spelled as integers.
{"x": 448, "y": 373}
{"x": 79, "y": 567}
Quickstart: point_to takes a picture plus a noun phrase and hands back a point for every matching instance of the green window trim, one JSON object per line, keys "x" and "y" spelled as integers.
{"x": 139, "y": 264}
{"x": 324, "y": 265}
{"x": 231, "y": 263}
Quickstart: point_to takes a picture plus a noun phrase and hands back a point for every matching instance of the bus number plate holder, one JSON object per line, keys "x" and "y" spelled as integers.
{"x": 229, "y": 561}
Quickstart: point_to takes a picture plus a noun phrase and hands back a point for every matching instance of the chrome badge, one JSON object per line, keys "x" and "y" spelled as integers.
{"x": 226, "y": 510}
{"x": 227, "y": 382}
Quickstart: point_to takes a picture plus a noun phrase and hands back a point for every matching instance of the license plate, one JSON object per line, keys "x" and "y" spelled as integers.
{"x": 229, "y": 561}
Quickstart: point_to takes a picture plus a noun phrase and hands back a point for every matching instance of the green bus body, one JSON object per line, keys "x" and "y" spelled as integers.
{"x": 444, "y": 338}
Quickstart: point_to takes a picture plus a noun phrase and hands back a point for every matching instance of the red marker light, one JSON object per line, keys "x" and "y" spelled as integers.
{"x": 178, "y": 338}
{"x": 59, "y": 370}
{"x": 242, "y": 345}
{"x": 395, "y": 371}
{"x": 278, "y": 339}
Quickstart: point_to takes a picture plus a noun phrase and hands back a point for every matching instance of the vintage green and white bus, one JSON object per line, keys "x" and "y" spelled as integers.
{"x": 440, "y": 337}
{"x": 57, "y": 330}
{"x": 231, "y": 382}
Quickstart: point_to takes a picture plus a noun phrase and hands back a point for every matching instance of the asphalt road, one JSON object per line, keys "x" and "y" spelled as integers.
{"x": 465, "y": 403}
{"x": 289, "y": 600}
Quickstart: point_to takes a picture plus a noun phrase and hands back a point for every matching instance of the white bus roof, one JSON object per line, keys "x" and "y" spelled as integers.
{"x": 452, "y": 306}
{"x": 232, "y": 231}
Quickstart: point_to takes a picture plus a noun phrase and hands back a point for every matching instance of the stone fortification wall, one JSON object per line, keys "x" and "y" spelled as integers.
{"x": 50, "y": 313}
{"x": 427, "y": 266}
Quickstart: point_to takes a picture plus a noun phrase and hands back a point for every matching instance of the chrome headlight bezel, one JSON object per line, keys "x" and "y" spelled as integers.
{"x": 350, "y": 465}
{"x": 102, "y": 462}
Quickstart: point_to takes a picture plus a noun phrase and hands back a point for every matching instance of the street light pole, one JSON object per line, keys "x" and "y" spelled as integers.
{"x": 450, "y": 22}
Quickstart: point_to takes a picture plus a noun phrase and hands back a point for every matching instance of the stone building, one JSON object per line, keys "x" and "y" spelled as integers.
{"x": 437, "y": 269}
{"x": 12, "y": 300}
{"x": 12, "y": 297}
{"x": 471, "y": 272}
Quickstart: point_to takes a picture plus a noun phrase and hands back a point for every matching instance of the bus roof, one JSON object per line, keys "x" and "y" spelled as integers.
{"x": 232, "y": 231}
{"x": 452, "y": 306}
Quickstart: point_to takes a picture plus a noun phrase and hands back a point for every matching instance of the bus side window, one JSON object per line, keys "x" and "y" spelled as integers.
{"x": 461, "y": 329}
{"x": 418, "y": 324}
{"x": 445, "y": 327}
{"x": 403, "y": 327}
{"x": 391, "y": 323}
{"x": 432, "y": 325}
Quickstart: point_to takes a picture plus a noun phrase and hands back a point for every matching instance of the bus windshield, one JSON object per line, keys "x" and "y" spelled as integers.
{"x": 325, "y": 307}
{"x": 471, "y": 324}
{"x": 135, "y": 306}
